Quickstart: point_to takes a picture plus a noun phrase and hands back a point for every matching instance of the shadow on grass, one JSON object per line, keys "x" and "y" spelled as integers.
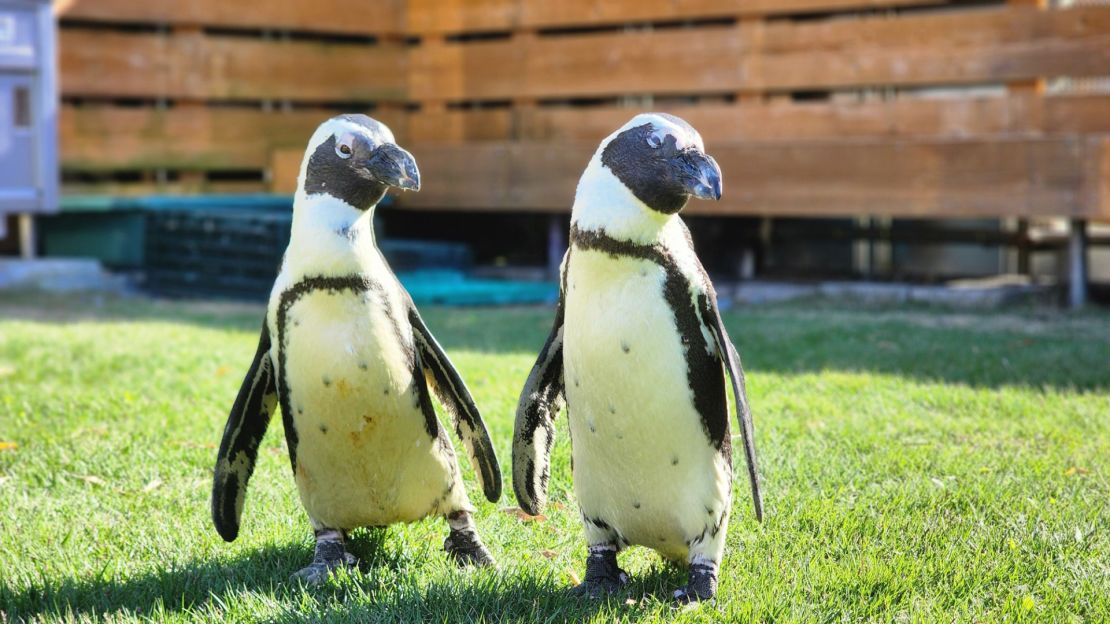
{"x": 376, "y": 592}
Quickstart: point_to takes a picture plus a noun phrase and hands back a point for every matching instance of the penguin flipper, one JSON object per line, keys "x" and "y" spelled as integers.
{"x": 539, "y": 404}
{"x": 731, "y": 359}
{"x": 246, "y": 425}
{"x": 452, "y": 392}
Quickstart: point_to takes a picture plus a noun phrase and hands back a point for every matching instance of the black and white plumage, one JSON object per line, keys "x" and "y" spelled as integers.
{"x": 346, "y": 355}
{"x": 638, "y": 353}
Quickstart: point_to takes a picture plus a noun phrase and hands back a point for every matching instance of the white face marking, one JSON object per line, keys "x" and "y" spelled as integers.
{"x": 339, "y": 127}
{"x": 344, "y": 131}
{"x": 684, "y": 137}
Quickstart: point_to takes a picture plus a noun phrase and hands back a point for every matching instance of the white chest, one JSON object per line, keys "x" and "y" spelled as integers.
{"x": 642, "y": 459}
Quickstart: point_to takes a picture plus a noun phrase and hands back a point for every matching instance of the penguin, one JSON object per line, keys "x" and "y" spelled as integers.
{"x": 345, "y": 354}
{"x": 638, "y": 356}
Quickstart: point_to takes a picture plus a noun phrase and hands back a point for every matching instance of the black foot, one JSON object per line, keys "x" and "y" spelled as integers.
{"x": 603, "y": 576}
{"x": 466, "y": 549}
{"x": 702, "y": 585}
{"x": 330, "y": 555}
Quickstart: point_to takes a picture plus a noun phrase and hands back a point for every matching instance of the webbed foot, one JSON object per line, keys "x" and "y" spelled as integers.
{"x": 331, "y": 554}
{"x": 603, "y": 575}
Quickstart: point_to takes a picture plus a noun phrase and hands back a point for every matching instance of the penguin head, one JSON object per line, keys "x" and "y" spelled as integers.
{"x": 355, "y": 159}
{"x": 661, "y": 159}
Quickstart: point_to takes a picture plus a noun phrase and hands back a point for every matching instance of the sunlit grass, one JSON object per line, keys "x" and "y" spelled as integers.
{"x": 919, "y": 466}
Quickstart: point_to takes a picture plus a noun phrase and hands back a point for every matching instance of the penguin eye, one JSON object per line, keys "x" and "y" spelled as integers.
{"x": 654, "y": 141}
{"x": 343, "y": 147}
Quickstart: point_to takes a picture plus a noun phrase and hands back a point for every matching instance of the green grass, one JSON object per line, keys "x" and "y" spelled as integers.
{"x": 919, "y": 466}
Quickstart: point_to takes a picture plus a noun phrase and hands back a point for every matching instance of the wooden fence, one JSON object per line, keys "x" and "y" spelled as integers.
{"x": 812, "y": 107}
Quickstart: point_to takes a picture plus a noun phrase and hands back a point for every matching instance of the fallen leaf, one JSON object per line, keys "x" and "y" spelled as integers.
{"x": 221, "y": 371}
{"x": 153, "y": 485}
{"x": 629, "y": 602}
{"x": 8, "y": 446}
{"x": 93, "y": 480}
{"x": 522, "y": 515}
{"x": 550, "y": 554}
{"x": 1028, "y": 603}
{"x": 573, "y": 577}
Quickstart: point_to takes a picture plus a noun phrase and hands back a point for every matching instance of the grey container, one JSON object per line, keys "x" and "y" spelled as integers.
{"x": 28, "y": 112}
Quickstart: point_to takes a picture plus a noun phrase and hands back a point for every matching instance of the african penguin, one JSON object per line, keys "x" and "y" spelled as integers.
{"x": 639, "y": 353}
{"x": 346, "y": 355}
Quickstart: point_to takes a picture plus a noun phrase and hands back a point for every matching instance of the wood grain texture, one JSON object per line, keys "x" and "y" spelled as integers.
{"x": 924, "y": 178}
{"x": 356, "y": 17}
{"x": 103, "y": 138}
{"x": 1009, "y": 115}
{"x": 194, "y": 65}
{"x": 454, "y": 16}
{"x": 995, "y": 45}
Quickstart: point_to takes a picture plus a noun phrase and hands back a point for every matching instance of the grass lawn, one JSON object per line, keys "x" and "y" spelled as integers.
{"x": 919, "y": 465}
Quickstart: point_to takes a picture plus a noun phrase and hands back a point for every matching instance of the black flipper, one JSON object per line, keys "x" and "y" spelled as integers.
{"x": 452, "y": 392}
{"x": 246, "y": 425}
{"x": 540, "y": 402}
{"x": 731, "y": 360}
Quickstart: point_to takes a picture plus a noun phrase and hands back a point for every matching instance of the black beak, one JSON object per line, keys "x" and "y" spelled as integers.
{"x": 393, "y": 166}
{"x": 699, "y": 173}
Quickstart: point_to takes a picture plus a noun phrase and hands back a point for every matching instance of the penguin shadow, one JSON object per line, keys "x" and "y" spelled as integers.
{"x": 380, "y": 589}
{"x": 179, "y": 586}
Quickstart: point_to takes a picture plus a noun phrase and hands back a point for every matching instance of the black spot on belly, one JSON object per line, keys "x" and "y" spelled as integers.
{"x": 385, "y": 391}
{"x": 636, "y": 505}
{"x": 612, "y": 409}
{"x": 674, "y": 461}
{"x": 323, "y": 429}
{"x": 592, "y": 430}
{"x": 625, "y": 347}
{"x": 327, "y": 381}
{"x": 300, "y": 409}
{"x": 363, "y": 366}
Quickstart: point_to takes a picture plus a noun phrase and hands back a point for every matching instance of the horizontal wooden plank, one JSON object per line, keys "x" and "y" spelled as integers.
{"x": 997, "y": 45}
{"x": 354, "y": 17}
{"x": 198, "y": 66}
{"x": 455, "y": 16}
{"x": 1015, "y": 114}
{"x": 139, "y": 189}
{"x": 97, "y": 138}
{"x": 1023, "y": 177}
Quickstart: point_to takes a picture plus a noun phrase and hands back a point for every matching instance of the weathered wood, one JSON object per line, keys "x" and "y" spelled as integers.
{"x": 137, "y": 189}
{"x": 354, "y": 17}
{"x": 977, "y": 178}
{"x": 453, "y": 16}
{"x": 996, "y": 45}
{"x": 1018, "y": 114}
{"x": 100, "y": 138}
{"x": 195, "y": 65}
